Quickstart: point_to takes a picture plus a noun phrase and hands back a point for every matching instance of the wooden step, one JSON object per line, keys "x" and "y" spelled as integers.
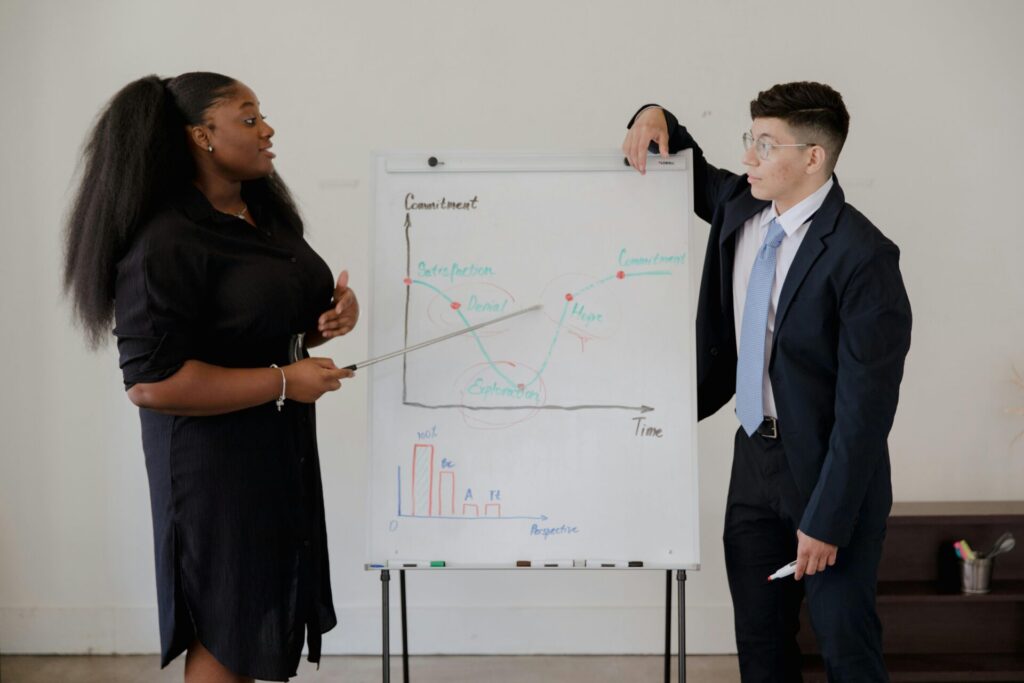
{"x": 930, "y": 631}
{"x": 914, "y": 622}
{"x": 898, "y": 592}
{"x": 936, "y": 668}
{"x": 920, "y": 536}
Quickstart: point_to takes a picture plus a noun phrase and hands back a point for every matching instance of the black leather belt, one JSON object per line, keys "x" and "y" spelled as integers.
{"x": 769, "y": 429}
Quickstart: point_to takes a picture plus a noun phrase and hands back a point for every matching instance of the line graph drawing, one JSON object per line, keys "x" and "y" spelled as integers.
{"x": 570, "y": 298}
{"x": 503, "y": 382}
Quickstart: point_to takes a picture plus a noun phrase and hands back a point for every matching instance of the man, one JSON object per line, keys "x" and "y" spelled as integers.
{"x": 804, "y": 316}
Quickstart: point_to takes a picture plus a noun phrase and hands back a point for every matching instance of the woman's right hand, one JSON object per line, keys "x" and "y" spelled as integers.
{"x": 310, "y": 378}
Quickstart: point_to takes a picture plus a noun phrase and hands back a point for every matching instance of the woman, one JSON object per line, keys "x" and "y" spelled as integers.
{"x": 182, "y": 234}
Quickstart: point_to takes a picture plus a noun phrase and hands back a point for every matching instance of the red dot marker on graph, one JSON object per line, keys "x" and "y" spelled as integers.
{"x": 521, "y": 386}
{"x": 455, "y": 305}
{"x": 621, "y": 274}
{"x": 568, "y": 297}
{"x": 407, "y": 281}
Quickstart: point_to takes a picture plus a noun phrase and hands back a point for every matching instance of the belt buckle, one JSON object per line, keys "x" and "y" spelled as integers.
{"x": 775, "y": 428}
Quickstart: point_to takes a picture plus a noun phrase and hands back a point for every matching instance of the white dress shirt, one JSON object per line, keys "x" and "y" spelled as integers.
{"x": 749, "y": 240}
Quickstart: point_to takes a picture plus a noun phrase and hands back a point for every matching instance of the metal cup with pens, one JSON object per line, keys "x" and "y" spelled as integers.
{"x": 976, "y": 568}
{"x": 975, "y": 575}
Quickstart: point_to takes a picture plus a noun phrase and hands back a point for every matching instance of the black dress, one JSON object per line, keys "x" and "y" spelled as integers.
{"x": 238, "y": 516}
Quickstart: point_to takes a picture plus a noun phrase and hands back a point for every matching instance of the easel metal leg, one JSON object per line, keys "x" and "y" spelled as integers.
{"x": 668, "y": 626}
{"x": 385, "y": 584}
{"x": 681, "y": 580}
{"x": 405, "y": 630}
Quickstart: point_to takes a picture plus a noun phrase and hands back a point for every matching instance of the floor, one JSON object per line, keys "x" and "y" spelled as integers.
{"x": 439, "y": 669}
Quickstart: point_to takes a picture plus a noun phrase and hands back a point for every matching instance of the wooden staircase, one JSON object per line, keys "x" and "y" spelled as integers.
{"x": 931, "y": 632}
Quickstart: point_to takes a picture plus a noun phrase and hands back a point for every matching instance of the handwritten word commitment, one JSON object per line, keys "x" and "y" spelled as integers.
{"x": 412, "y": 205}
{"x": 656, "y": 259}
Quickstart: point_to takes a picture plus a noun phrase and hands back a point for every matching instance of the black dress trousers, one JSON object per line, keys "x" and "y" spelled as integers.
{"x": 763, "y": 510}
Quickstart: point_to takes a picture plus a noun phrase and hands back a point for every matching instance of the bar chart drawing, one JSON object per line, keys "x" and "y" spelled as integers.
{"x": 430, "y": 491}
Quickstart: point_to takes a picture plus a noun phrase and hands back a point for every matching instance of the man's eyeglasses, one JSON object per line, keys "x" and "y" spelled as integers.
{"x": 764, "y": 148}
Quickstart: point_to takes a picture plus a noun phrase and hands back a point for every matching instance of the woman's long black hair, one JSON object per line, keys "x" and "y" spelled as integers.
{"x": 135, "y": 159}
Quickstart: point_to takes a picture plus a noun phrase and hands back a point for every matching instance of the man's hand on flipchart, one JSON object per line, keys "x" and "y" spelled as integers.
{"x": 812, "y": 555}
{"x": 650, "y": 126}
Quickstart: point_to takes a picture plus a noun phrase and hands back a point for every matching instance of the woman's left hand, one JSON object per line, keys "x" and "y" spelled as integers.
{"x": 340, "y": 319}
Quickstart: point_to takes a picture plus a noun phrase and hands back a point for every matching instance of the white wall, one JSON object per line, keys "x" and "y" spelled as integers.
{"x": 934, "y": 158}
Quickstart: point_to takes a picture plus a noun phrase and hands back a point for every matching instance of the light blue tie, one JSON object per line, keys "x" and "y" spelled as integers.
{"x": 750, "y": 370}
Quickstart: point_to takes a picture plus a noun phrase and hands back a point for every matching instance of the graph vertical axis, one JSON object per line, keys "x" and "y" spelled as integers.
{"x": 408, "y": 274}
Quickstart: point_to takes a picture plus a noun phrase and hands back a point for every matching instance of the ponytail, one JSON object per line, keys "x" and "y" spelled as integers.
{"x": 133, "y": 158}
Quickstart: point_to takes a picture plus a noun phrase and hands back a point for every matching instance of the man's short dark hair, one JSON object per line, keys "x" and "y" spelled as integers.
{"x": 814, "y": 110}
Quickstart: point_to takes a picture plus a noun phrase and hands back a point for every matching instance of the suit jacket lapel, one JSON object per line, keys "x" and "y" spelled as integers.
{"x": 737, "y": 212}
{"x": 822, "y": 225}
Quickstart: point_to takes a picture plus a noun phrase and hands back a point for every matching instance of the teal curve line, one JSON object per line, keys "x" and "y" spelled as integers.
{"x": 565, "y": 310}
{"x": 558, "y": 331}
{"x": 551, "y": 349}
{"x": 468, "y": 324}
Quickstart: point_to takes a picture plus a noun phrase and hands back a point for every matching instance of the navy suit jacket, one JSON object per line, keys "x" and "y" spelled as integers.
{"x": 842, "y": 331}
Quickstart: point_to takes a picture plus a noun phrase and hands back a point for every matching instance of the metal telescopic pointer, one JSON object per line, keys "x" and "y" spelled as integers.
{"x": 431, "y": 342}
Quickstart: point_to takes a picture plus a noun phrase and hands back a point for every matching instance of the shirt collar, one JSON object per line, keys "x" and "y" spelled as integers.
{"x": 197, "y": 207}
{"x": 801, "y": 212}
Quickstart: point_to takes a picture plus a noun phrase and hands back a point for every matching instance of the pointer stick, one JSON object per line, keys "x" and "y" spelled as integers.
{"x": 430, "y": 342}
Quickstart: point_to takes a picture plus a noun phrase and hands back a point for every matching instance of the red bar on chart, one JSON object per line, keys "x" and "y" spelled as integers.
{"x": 492, "y": 510}
{"x": 470, "y": 510}
{"x": 422, "y": 480}
{"x": 446, "y": 492}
